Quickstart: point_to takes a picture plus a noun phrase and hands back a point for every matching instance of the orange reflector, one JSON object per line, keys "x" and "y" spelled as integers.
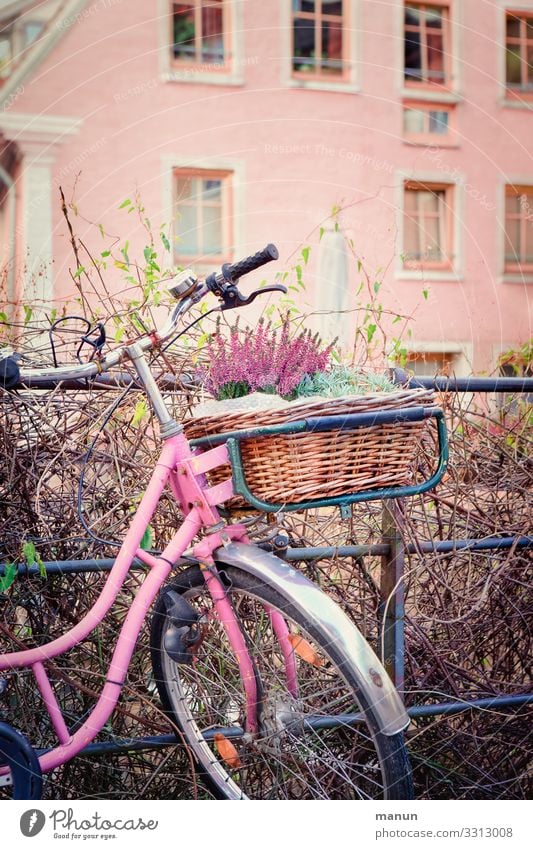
{"x": 305, "y": 650}
{"x": 227, "y": 751}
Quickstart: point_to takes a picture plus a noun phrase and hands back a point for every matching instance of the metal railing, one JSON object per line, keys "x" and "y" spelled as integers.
{"x": 391, "y": 550}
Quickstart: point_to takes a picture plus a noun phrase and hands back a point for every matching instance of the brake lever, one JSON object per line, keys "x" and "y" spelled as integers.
{"x": 232, "y": 298}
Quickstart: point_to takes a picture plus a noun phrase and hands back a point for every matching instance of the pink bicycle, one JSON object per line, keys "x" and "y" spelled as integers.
{"x": 275, "y": 692}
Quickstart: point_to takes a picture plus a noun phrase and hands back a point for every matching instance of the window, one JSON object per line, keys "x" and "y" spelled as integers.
{"x": 426, "y": 44}
{"x": 318, "y": 39}
{"x": 204, "y": 215}
{"x": 200, "y": 33}
{"x": 519, "y": 228}
{"x": 431, "y": 363}
{"x": 5, "y": 55}
{"x": 15, "y": 38}
{"x": 427, "y": 231}
{"x": 519, "y": 52}
{"x": 430, "y": 123}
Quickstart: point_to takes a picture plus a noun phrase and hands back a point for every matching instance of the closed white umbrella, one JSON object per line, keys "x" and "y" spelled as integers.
{"x": 331, "y": 291}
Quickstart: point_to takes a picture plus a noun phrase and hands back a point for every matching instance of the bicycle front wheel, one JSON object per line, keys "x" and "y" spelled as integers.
{"x": 317, "y": 743}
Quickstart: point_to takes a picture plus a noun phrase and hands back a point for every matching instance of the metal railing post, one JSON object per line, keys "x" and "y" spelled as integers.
{"x": 392, "y": 638}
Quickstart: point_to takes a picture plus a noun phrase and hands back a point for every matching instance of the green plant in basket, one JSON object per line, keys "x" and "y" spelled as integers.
{"x": 272, "y": 361}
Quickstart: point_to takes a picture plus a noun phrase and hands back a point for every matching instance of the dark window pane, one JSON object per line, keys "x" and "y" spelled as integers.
{"x": 513, "y": 65}
{"x": 303, "y": 6}
{"x": 412, "y": 16}
{"x": 212, "y": 33}
{"x": 529, "y": 28}
{"x": 513, "y": 27}
{"x": 304, "y": 45}
{"x": 434, "y": 18}
{"x": 332, "y": 47}
{"x": 413, "y": 56}
{"x": 212, "y": 190}
{"x": 184, "y": 31}
{"x": 332, "y": 7}
{"x": 438, "y": 122}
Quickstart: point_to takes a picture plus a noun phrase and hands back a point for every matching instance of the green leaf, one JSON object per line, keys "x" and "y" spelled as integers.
{"x": 321, "y": 233}
{"x": 102, "y": 231}
{"x": 148, "y": 254}
{"x": 79, "y": 271}
{"x": 425, "y": 293}
{"x": 3, "y": 317}
{"x": 305, "y": 254}
{"x": 140, "y": 412}
{"x": 105, "y": 253}
{"x": 147, "y": 541}
{"x": 8, "y": 578}
{"x": 28, "y": 312}
{"x": 125, "y": 203}
{"x": 28, "y": 552}
{"x": 166, "y": 243}
{"x": 377, "y": 286}
{"x": 371, "y": 329}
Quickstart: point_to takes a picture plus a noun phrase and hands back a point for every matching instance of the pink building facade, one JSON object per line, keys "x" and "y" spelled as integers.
{"x": 243, "y": 122}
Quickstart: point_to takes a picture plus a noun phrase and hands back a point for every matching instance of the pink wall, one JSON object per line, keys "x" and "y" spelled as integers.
{"x": 333, "y": 149}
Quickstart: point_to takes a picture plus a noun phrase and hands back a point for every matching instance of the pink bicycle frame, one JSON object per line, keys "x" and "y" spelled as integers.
{"x": 185, "y": 472}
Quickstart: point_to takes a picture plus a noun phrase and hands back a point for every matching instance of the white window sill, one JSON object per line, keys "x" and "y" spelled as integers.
{"x": 439, "y": 141}
{"x": 346, "y": 87}
{"x": 189, "y": 75}
{"x": 430, "y": 96}
{"x": 526, "y": 278}
{"x": 429, "y": 275}
{"x": 517, "y": 104}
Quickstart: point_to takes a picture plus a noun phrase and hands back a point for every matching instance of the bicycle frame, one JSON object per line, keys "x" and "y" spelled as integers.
{"x": 184, "y": 472}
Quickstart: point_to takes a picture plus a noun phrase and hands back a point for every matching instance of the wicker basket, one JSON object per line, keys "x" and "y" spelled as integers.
{"x": 292, "y": 468}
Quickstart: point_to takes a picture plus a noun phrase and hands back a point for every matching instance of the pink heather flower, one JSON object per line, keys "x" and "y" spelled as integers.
{"x": 261, "y": 359}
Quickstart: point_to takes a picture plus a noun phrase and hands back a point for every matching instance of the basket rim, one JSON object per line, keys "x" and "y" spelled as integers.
{"x": 294, "y": 411}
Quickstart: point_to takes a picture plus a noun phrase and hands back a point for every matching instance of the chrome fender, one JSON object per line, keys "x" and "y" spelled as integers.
{"x": 374, "y": 684}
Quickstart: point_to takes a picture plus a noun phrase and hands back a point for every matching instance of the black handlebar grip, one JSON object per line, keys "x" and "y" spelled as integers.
{"x": 245, "y": 266}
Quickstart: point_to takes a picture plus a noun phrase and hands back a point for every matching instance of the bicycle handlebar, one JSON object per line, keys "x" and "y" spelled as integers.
{"x": 250, "y": 263}
{"x": 98, "y": 366}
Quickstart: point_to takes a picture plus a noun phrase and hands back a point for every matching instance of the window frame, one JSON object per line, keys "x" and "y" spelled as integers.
{"x": 351, "y": 48}
{"x": 447, "y": 31}
{"x": 517, "y": 190}
{"x": 514, "y": 92}
{"x": 171, "y": 71}
{"x": 227, "y": 206}
{"x": 459, "y": 353}
{"x": 319, "y": 75}
{"x": 426, "y": 138}
{"x": 447, "y": 264}
{"x": 7, "y": 36}
{"x": 223, "y": 68}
